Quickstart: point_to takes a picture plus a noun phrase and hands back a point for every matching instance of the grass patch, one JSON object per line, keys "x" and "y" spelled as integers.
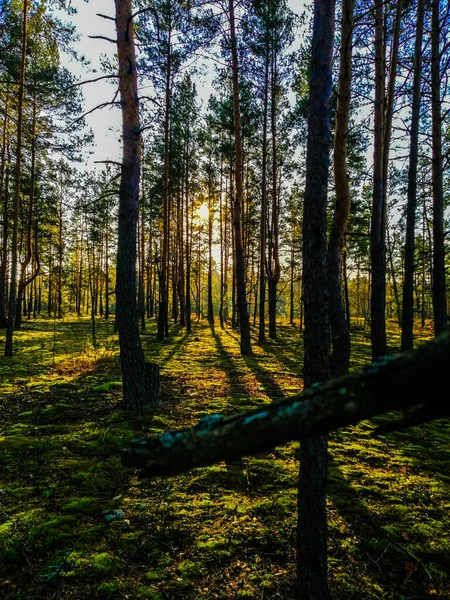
{"x": 75, "y": 522}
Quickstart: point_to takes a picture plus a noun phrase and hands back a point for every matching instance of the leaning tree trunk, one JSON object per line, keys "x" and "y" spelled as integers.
{"x": 439, "y": 289}
{"x": 408, "y": 282}
{"x": 312, "y": 517}
{"x": 340, "y": 333}
{"x": 244, "y": 320}
{"x": 377, "y": 238}
{"x": 140, "y": 384}
{"x": 16, "y": 201}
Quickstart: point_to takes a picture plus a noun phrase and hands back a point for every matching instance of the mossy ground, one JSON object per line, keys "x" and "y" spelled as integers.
{"x": 75, "y": 524}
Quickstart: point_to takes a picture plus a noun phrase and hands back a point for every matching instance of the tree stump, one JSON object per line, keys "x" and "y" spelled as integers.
{"x": 153, "y": 378}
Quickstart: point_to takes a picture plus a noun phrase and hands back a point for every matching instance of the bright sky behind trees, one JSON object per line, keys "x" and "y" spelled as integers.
{"x": 106, "y": 123}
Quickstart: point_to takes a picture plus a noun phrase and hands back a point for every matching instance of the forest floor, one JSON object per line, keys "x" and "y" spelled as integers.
{"x": 75, "y": 524}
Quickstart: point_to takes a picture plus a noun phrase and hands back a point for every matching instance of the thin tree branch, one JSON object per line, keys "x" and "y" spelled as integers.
{"x": 108, "y": 162}
{"x": 98, "y": 107}
{"x": 92, "y": 81}
{"x": 106, "y": 17}
{"x": 102, "y": 37}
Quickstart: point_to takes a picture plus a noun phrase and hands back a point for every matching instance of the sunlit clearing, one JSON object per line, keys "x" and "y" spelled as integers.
{"x": 203, "y": 212}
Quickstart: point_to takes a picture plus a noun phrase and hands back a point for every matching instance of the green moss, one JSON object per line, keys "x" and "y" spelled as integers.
{"x": 245, "y": 594}
{"x": 147, "y": 592}
{"x": 107, "y": 387}
{"x": 25, "y": 417}
{"x": 226, "y": 531}
{"x": 9, "y": 541}
{"x": 50, "y": 534}
{"x": 64, "y": 385}
{"x": 157, "y": 575}
{"x": 80, "y": 476}
{"x": 19, "y": 429}
{"x": 80, "y": 505}
{"x": 54, "y": 412}
{"x": 104, "y": 563}
{"x": 107, "y": 588}
{"x": 189, "y": 569}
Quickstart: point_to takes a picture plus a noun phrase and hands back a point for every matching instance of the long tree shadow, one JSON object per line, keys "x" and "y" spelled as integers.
{"x": 265, "y": 378}
{"x": 227, "y": 364}
{"x": 359, "y": 537}
{"x": 287, "y": 348}
{"x": 425, "y": 447}
{"x": 236, "y": 471}
{"x": 155, "y": 351}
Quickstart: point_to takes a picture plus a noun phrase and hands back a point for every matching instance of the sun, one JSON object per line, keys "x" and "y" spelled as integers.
{"x": 203, "y": 212}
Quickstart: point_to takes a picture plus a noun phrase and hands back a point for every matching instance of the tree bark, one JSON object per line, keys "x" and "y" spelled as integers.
{"x": 163, "y": 314}
{"x": 141, "y": 258}
{"x": 439, "y": 283}
{"x": 138, "y": 392}
{"x": 210, "y": 312}
{"x": 188, "y": 240}
{"x": 408, "y": 281}
{"x": 244, "y": 320}
{"x": 23, "y": 280}
{"x": 263, "y": 223}
{"x": 377, "y": 237}
{"x": 222, "y": 249}
{"x": 16, "y": 200}
{"x": 273, "y": 263}
{"x": 340, "y": 333}
{"x": 312, "y": 517}
{"x": 4, "y": 179}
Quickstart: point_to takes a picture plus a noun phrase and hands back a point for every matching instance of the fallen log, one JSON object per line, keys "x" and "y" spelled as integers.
{"x": 406, "y": 381}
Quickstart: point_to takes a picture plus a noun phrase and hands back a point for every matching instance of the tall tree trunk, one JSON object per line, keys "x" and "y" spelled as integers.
{"x": 408, "y": 282}
{"x": 312, "y": 517}
{"x": 244, "y": 320}
{"x": 50, "y": 284}
{"x": 139, "y": 389}
{"x": 16, "y": 200}
{"x": 439, "y": 284}
{"x": 180, "y": 243}
{"x": 4, "y": 193}
{"x": 390, "y": 251}
{"x": 263, "y": 223}
{"x": 210, "y": 312}
{"x": 377, "y": 234}
{"x": 389, "y": 115}
{"x": 226, "y": 256}
{"x": 291, "y": 291}
{"x": 188, "y": 245}
{"x": 23, "y": 280}
{"x": 273, "y": 264}
{"x": 60, "y": 256}
{"x": 340, "y": 334}
{"x": 163, "y": 313}
{"x": 222, "y": 242}
{"x": 107, "y": 262}
{"x": 141, "y": 257}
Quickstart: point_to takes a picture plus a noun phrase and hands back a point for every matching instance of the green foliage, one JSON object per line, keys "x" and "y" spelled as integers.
{"x": 226, "y": 531}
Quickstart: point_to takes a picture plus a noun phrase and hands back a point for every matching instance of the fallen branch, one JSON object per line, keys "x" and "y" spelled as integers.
{"x": 391, "y": 383}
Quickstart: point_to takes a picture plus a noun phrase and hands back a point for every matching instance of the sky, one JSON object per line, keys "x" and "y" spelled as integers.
{"x": 106, "y": 123}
